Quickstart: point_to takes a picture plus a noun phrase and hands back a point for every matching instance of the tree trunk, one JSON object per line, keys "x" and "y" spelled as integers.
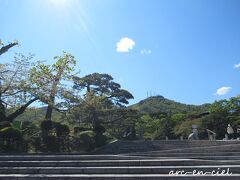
{"x": 48, "y": 115}
{"x": 2, "y": 112}
{"x": 19, "y": 111}
{"x": 51, "y": 102}
{"x": 88, "y": 88}
{"x": 53, "y": 92}
{"x": 95, "y": 120}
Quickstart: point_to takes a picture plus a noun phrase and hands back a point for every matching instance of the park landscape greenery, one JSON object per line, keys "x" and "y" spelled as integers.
{"x": 51, "y": 108}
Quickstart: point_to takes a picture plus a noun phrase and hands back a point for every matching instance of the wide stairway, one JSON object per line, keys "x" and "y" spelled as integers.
{"x": 189, "y": 159}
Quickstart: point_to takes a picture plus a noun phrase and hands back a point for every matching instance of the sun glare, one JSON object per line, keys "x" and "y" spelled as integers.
{"x": 59, "y": 3}
{"x": 72, "y": 14}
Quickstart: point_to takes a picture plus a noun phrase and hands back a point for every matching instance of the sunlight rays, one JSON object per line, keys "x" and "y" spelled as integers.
{"x": 71, "y": 12}
{"x": 71, "y": 17}
{"x": 59, "y": 3}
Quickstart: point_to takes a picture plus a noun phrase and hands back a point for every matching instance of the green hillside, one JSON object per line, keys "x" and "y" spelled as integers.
{"x": 36, "y": 114}
{"x": 157, "y": 104}
{"x": 151, "y": 105}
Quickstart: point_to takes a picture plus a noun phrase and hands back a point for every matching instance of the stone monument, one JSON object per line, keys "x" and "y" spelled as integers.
{"x": 194, "y": 134}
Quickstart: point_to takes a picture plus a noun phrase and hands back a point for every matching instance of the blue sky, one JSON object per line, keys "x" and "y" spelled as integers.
{"x": 184, "y": 50}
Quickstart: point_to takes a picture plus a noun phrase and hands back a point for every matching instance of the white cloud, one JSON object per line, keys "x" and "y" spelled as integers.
{"x": 125, "y": 45}
{"x": 146, "y": 51}
{"x": 223, "y": 90}
{"x": 236, "y": 66}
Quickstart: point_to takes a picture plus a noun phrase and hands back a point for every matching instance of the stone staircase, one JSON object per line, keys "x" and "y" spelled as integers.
{"x": 182, "y": 156}
{"x": 119, "y": 147}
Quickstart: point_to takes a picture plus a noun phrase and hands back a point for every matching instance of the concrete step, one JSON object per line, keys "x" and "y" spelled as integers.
{"x": 195, "y": 150}
{"x": 184, "y": 155}
{"x": 195, "y": 156}
{"x": 220, "y": 148}
{"x": 117, "y": 163}
{"x": 114, "y": 177}
{"x": 59, "y": 157}
{"x": 141, "y": 146}
{"x": 233, "y": 169}
{"x": 201, "y": 150}
{"x": 135, "y": 156}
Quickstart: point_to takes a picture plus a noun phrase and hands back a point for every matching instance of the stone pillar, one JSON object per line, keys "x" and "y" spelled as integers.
{"x": 195, "y": 132}
{"x": 226, "y": 137}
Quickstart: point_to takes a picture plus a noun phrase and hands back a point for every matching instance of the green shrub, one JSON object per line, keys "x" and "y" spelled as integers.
{"x": 36, "y": 144}
{"x": 17, "y": 124}
{"x": 61, "y": 129}
{"x": 109, "y": 137}
{"x": 4, "y": 124}
{"x": 99, "y": 129}
{"x": 50, "y": 144}
{"x": 185, "y": 128}
{"x": 81, "y": 128}
{"x": 54, "y": 137}
{"x": 11, "y": 140}
{"x": 84, "y": 141}
{"x": 46, "y": 125}
{"x": 100, "y": 140}
{"x": 10, "y": 133}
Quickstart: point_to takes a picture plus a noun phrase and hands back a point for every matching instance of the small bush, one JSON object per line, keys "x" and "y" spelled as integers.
{"x": 37, "y": 144}
{"x": 11, "y": 140}
{"x": 4, "y": 124}
{"x": 51, "y": 144}
{"x": 10, "y": 133}
{"x": 78, "y": 129}
{"x": 54, "y": 137}
{"x": 100, "y": 140}
{"x": 84, "y": 141}
{"x": 61, "y": 129}
{"x": 46, "y": 125}
{"x": 99, "y": 129}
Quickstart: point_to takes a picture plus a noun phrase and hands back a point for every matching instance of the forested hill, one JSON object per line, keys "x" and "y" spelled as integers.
{"x": 156, "y": 104}
{"x": 151, "y": 105}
